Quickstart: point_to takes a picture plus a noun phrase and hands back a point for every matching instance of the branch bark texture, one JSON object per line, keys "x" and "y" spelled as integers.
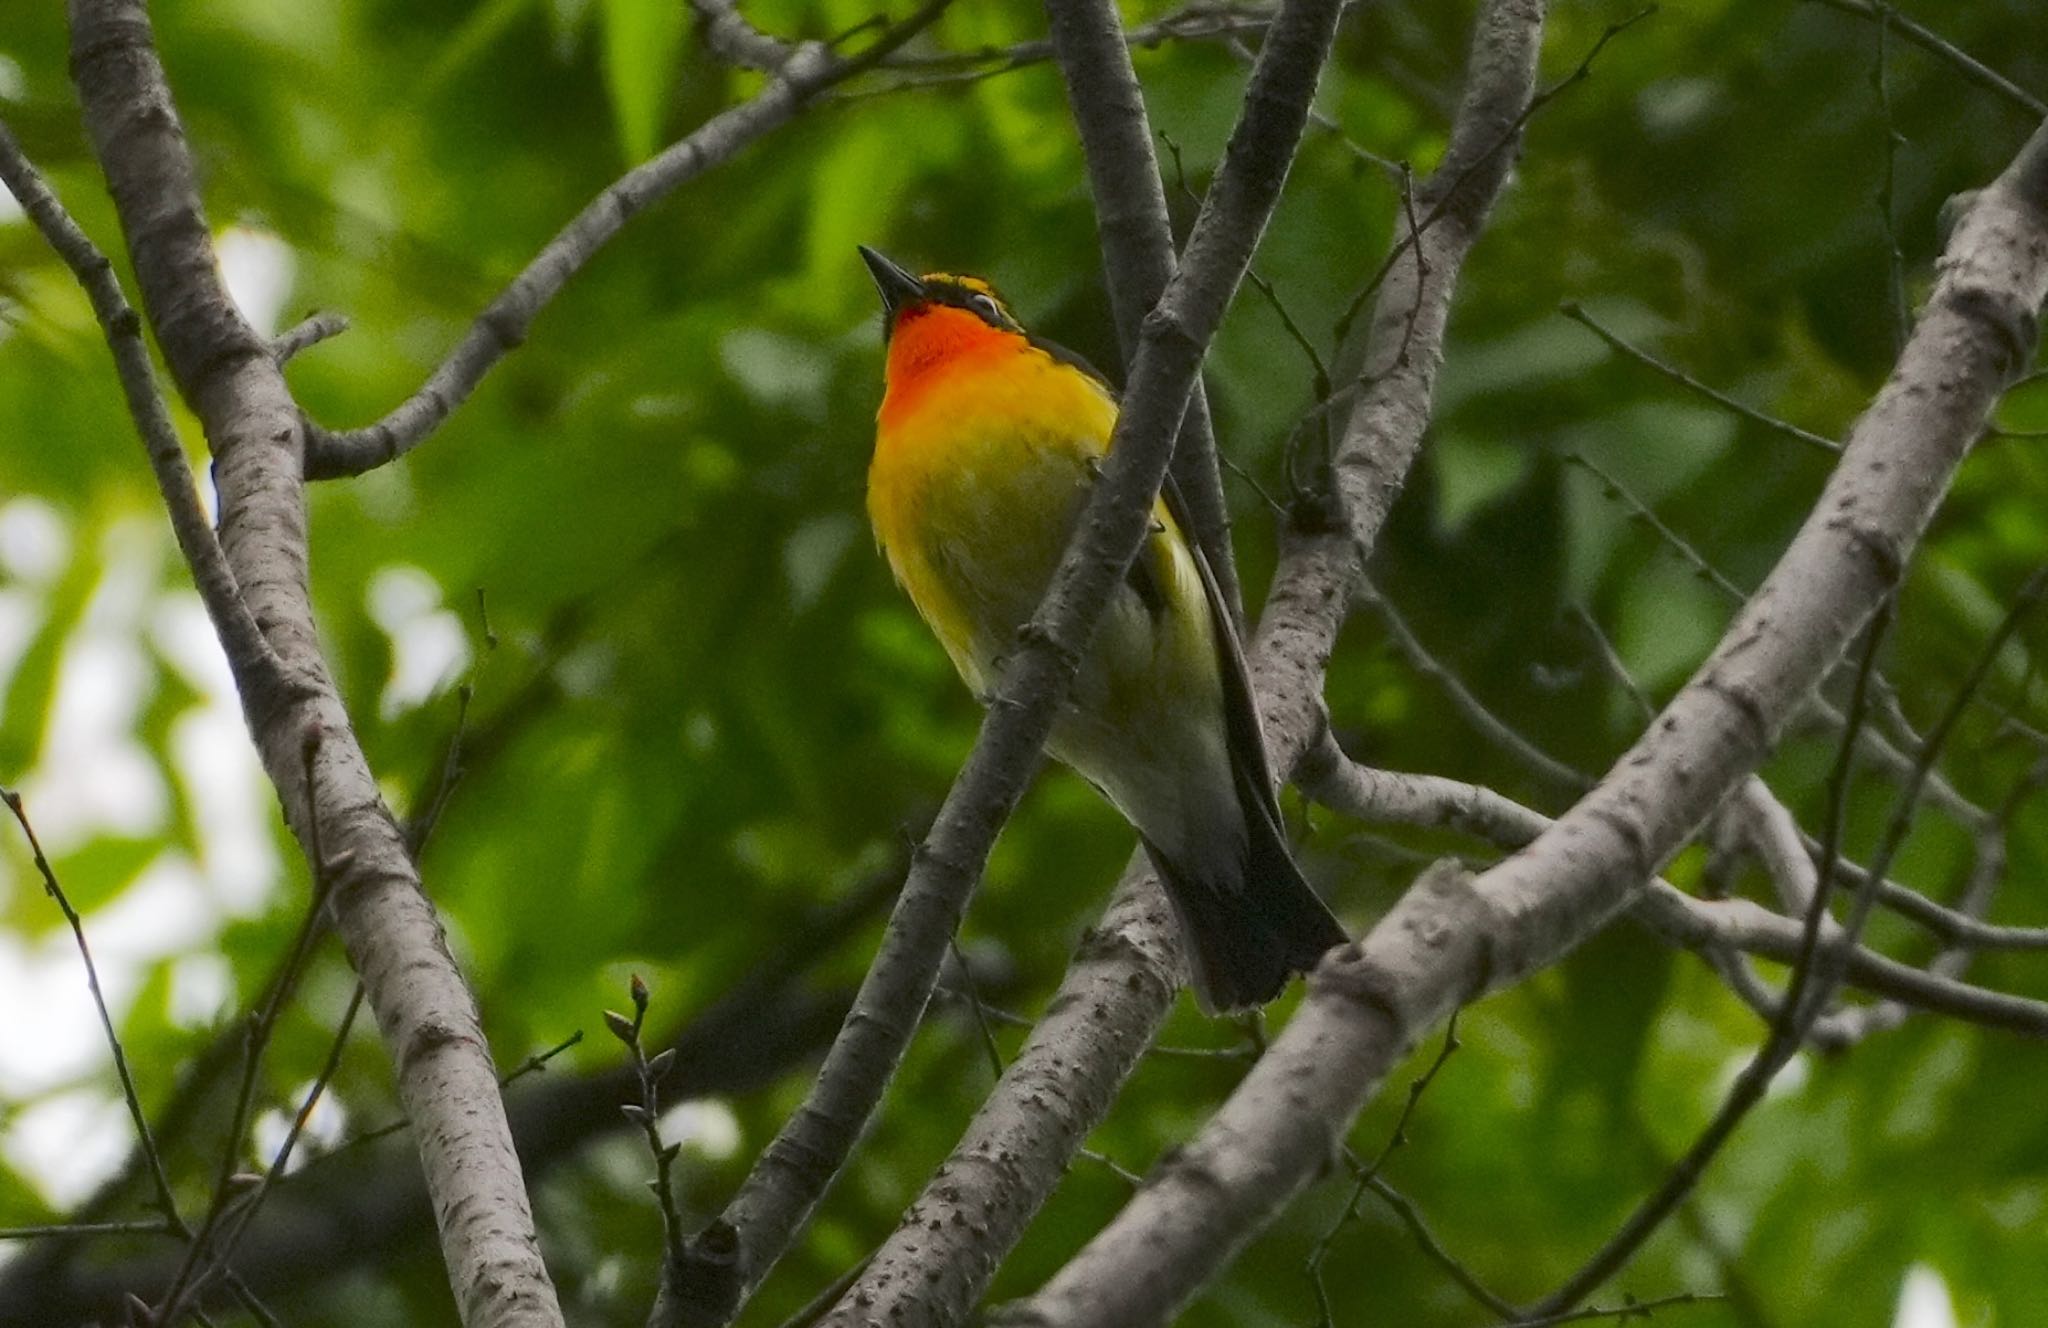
{"x": 778, "y": 1197}
{"x": 225, "y": 371}
{"x": 1094, "y": 55}
{"x": 1454, "y": 937}
{"x": 939, "y": 1262}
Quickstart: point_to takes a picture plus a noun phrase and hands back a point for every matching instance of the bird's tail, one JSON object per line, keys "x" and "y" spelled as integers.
{"x": 1248, "y": 916}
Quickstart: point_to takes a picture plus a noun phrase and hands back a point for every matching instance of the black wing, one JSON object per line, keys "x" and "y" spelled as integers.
{"x": 1245, "y": 738}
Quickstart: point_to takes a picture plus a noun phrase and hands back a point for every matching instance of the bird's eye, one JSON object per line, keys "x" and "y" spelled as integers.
{"x": 986, "y": 306}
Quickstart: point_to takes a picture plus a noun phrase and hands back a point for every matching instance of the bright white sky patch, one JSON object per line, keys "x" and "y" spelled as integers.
{"x": 34, "y": 545}
{"x": 428, "y": 646}
{"x": 217, "y": 766}
{"x": 705, "y": 1124}
{"x": 68, "y": 1144}
{"x": 324, "y": 1129}
{"x": 63, "y": 1042}
{"x": 95, "y": 778}
{"x": 258, "y": 269}
{"x": 201, "y": 986}
{"x": 1924, "y": 1301}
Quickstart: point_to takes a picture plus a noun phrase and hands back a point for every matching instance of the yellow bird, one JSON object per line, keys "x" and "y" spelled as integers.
{"x": 985, "y": 446}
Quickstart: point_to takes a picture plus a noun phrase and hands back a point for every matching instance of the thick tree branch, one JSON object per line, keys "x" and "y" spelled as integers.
{"x": 730, "y": 1257}
{"x": 1093, "y": 51}
{"x": 1019, "y": 1144}
{"x": 211, "y": 574}
{"x": 807, "y": 70}
{"x": 1453, "y": 937}
{"x": 228, "y": 376}
{"x": 1707, "y": 926}
{"x": 934, "y": 1268}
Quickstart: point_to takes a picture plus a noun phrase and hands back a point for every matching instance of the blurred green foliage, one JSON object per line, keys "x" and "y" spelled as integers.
{"x": 708, "y": 714}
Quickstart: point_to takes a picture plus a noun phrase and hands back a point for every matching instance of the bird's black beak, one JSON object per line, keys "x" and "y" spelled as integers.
{"x": 897, "y": 287}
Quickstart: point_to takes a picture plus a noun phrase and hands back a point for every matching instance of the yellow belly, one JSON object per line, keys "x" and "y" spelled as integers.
{"x": 973, "y": 496}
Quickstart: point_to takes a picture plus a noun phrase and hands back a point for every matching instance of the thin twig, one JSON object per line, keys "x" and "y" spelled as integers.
{"x": 810, "y": 70}
{"x": 1489, "y": 725}
{"x": 165, "y": 1202}
{"x": 1573, "y": 310}
{"x": 1971, "y": 68}
{"x": 645, "y": 1115}
{"x": 280, "y": 1161}
{"x": 231, "y": 1186}
{"x": 1411, "y": 1218}
{"x": 146, "y": 1227}
{"x": 315, "y": 329}
{"x": 1312, "y": 1268}
{"x": 1507, "y": 136}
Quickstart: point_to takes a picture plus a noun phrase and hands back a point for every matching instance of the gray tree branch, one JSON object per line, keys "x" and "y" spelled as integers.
{"x": 1114, "y": 998}
{"x": 1704, "y": 925}
{"x": 228, "y": 376}
{"x": 934, "y": 1268}
{"x": 1453, "y": 937}
{"x": 728, "y": 1259}
{"x": 799, "y": 76}
{"x": 1094, "y": 56}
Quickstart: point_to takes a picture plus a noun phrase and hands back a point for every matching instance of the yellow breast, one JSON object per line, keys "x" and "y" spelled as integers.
{"x": 980, "y": 467}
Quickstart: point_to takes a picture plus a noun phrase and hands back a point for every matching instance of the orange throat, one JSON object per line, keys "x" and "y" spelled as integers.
{"x": 930, "y": 345}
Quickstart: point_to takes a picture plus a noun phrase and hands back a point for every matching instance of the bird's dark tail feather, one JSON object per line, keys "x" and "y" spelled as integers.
{"x": 1249, "y": 924}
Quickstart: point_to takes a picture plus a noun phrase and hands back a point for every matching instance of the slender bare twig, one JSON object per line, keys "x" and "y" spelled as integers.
{"x": 1506, "y": 140}
{"x": 1476, "y": 712}
{"x": 1411, "y": 1217}
{"x": 280, "y": 1162}
{"x": 211, "y": 575}
{"x": 1365, "y": 1174}
{"x": 1136, "y": 234}
{"x": 310, "y": 332}
{"x": 1971, "y": 68}
{"x": 809, "y": 69}
{"x": 1573, "y": 310}
{"x": 1811, "y": 988}
{"x": 231, "y": 1190}
{"x": 166, "y": 1201}
{"x": 1987, "y": 872}
{"x": 145, "y": 1227}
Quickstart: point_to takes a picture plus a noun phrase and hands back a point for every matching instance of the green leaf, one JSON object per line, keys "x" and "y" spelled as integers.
{"x": 641, "y": 38}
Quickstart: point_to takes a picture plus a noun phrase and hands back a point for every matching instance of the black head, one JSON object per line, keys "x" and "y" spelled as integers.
{"x": 903, "y": 293}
